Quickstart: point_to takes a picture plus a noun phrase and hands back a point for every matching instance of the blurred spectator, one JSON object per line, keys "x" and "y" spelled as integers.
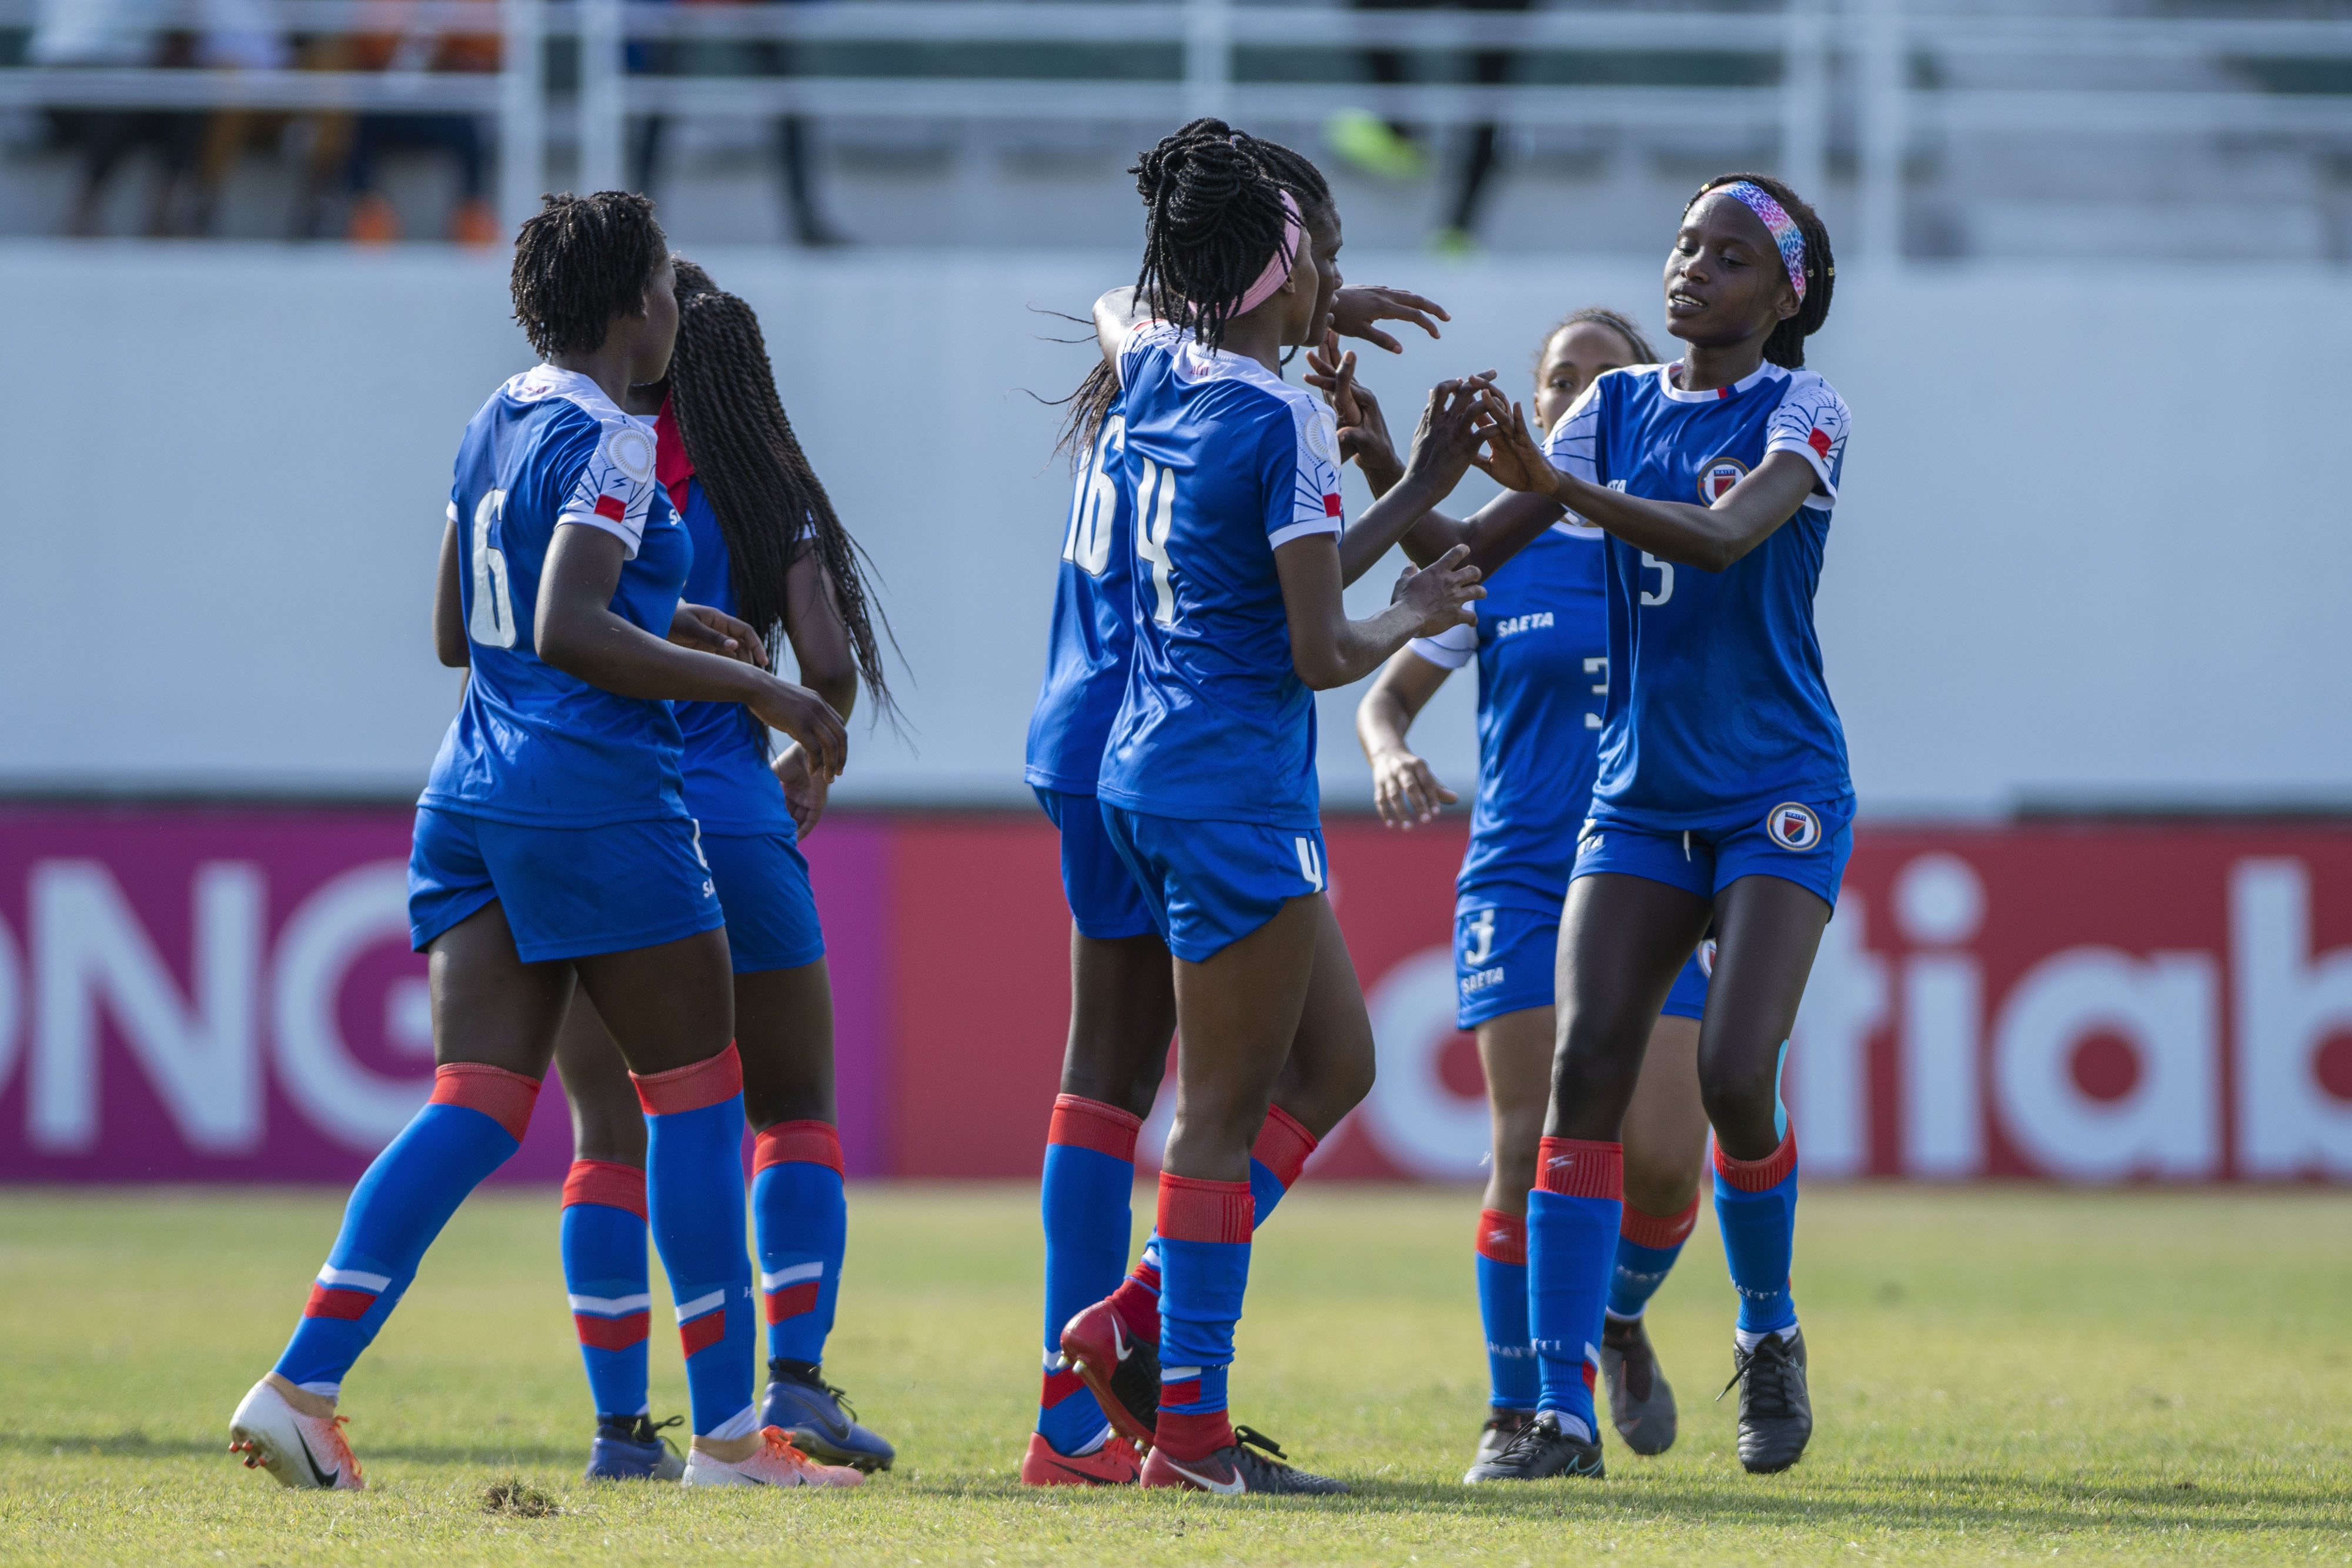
{"x": 372, "y": 219}
{"x": 235, "y": 35}
{"x": 794, "y": 134}
{"x": 1391, "y": 149}
{"x": 116, "y": 33}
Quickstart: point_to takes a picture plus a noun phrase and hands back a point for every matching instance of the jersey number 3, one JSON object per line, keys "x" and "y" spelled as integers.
{"x": 492, "y": 622}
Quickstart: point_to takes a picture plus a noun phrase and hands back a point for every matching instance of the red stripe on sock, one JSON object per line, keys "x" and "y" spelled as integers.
{"x": 1756, "y": 1176}
{"x": 1502, "y": 1236}
{"x": 1184, "y": 1393}
{"x": 1576, "y": 1167}
{"x": 1137, "y": 1302}
{"x": 329, "y": 1303}
{"x": 1194, "y": 1210}
{"x": 703, "y": 1332}
{"x": 706, "y": 1082}
{"x": 797, "y": 1143}
{"x": 1283, "y": 1146}
{"x": 1661, "y": 1232}
{"x": 1192, "y": 1436}
{"x": 614, "y": 1333}
{"x": 608, "y": 1182}
{"x": 791, "y": 1301}
{"x": 1058, "y": 1386}
{"x": 1083, "y": 1124}
{"x": 504, "y": 1097}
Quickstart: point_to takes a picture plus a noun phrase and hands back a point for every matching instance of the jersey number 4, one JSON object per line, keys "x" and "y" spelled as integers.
{"x": 1155, "y": 516}
{"x": 492, "y": 622}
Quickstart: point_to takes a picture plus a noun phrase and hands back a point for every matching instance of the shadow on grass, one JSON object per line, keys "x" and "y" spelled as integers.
{"x": 132, "y": 1443}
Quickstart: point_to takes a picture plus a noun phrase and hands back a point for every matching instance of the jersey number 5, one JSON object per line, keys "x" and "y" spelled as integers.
{"x": 1155, "y": 515}
{"x": 492, "y": 622}
{"x": 1665, "y": 570}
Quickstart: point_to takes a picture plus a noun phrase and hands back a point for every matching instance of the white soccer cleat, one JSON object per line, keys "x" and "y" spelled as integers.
{"x": 307, "y": 1452}
{"x": 777, "y": 1464}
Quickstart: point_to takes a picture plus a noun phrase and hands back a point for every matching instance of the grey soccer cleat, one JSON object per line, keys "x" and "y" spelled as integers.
{"x": 1641, "y": 1401}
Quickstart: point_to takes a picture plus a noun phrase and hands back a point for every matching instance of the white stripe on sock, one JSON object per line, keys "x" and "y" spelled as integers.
{"x": 610, "y": 1306}
{"x": 791, "y": 1276}
{"x": 356, "y": 1279}
{"x": 701, "y": 1304}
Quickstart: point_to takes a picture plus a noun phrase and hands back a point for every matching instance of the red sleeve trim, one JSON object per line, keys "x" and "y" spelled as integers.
{"x": 1283, "y": 1146}
{"x": 612, "y": 507}
{"x": 1656, "y": 1230}
{"x": 1576, "y": 1167}
{"x": 1194, "y": 1210}
{"x": 1820, "y": 442}
{"x": 1760, "y": 1176}
{"x": 1330, "y": 506}
{"x": 798, "y": 1143}
{"x": 504, "y": 1097}
{"x": 605, "y": 1182}
{"x": 1083, "y": 1124}
{"x": 681, "y": 1089}
{"x": 1502, "y": 1236}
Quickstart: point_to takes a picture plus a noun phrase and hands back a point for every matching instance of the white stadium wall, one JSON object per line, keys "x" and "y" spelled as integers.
{"x": 2093, "y": 545}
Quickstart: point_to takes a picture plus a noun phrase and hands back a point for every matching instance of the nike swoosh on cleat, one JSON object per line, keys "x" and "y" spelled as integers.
{"x": 326, "y": 1478}
{"x": 1118, "y": 1340}
{"x": 1085, "y": 1475}
{"x": 1233, "y": 1488}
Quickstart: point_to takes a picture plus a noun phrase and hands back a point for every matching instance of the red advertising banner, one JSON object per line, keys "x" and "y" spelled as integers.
{"x": 226, "y": 995}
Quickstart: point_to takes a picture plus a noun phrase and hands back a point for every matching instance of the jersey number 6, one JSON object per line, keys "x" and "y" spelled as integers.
{"x": 492, "y": 622}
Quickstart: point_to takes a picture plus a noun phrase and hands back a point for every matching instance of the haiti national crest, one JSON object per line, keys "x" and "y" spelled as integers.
{"x": 1717, "y": 475}
{"x": 1793, "y": 826}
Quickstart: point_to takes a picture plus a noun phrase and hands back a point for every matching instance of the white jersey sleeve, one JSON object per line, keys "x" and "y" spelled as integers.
{"x": 615, "y": 488}
{"x": 1450, "y": 649}
{"x": 1812, "y": 422}
{"x": 1149, "y": 334}
{"x": 1303, "y": 476}
{"x": 1574, "y": 444}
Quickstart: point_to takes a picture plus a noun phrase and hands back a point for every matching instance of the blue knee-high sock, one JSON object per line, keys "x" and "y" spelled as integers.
{"x": 1572, "y": 1219}
{"x": 694, "y": 1192}
{"x": 1087, "y": 1202}
{"x": 1204, "y": 1248}
{"x": 604, "y": 1272}
{"x": 1502, "y": 1308}
{"x": 475, "y": 1118}
{"x": 800, "y": 1220}
{"x": 1647, "y": 1246}
{"x": 1755, "y": 1209}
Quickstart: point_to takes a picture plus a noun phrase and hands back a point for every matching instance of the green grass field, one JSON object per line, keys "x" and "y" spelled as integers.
{"x": 1997, "y": 1375}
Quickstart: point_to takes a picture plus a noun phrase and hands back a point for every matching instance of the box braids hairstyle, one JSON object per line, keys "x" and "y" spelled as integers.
{"x": 1214, "y": 219}
{"x": 579, "y": 261}
{"x": 1786, "y": 346}
{"x": 769, "y": 504}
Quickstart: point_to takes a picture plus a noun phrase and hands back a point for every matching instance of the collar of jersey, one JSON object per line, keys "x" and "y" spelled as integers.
{"x": 545, "y": 380}
{"x": 1764, "y": 371}
{"x": 1196, "y": 363}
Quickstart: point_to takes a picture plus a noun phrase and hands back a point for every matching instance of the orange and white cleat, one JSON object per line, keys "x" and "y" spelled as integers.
{"x": 1114, "y": 1464}
{"x": 307, "y": 1452}
{"x": 776, "y": 1464}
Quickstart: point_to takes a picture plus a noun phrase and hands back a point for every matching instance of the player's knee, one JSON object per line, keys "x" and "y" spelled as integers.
{"x": 1740, "y": 1097}
{"x": 1662, "y": 1181}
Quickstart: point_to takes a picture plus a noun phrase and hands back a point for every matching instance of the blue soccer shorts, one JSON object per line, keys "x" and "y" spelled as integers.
{"x": 764, "y": 886}
{"x": 1105, "y": 903}
{"x": 1504, "y": 959}
{"x": 1804, "y": 842}
{"x": 567, "y": 892}
{"x": 1209, "y": 884}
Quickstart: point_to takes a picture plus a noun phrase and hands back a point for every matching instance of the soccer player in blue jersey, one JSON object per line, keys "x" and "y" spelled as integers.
{"x": 1541, "y": 647}
{"x": 1122, "y": 996}
{"x": 552, "y": 846}
{"x": 1722, "y": 799}
{"x": 768, "y": 548}
{"x": 1207, "y": 786}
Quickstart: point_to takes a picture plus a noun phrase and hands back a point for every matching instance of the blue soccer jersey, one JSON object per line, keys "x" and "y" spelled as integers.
{"x": 1717, "y": 701}
{"x": 729, "y": 788}
{"x": 531, "y": 745}
{"x": 1093, "y": 638}
{"x": 1227, "y": 462}
{"x": 1541, "y": 643}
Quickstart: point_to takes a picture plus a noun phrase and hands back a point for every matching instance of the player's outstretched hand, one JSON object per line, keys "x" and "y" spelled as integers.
{"x": 1439, "y": 594}
{"x": 1510, "y": 455}
{"x": 805, "y": 788}
{"x": 1354, "y": 309}
{"x": 1446, "y": 441}
{"x": 1363, "y": 429}
{"x": 708, "y": 630}
{"x": 1404, "y": 791}
{"x": 809, "y": 719}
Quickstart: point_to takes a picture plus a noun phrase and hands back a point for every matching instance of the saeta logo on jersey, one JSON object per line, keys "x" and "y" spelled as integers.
{"x": 1794, "y": 827}
{"x": 1717, "y": 475}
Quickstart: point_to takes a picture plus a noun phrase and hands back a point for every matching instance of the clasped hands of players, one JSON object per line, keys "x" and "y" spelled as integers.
{"x": 709, "y": 630}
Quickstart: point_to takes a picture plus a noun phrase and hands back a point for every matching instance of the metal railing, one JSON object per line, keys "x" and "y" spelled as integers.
{"x": 1882, "y": 40}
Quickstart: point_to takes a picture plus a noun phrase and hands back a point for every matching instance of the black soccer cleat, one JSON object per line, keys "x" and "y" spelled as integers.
{"x": 1776, "y": 1409}
{"x": 1234, "y": 1470}
{"x": 1539, "y": 1452}
{"x": 1641, "y": 1402}
{"x": 1501, "y": 1427}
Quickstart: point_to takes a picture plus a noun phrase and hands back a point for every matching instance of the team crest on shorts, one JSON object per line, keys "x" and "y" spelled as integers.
{"x": 1794, "y": 827}
{"x": 1717, "y": 476}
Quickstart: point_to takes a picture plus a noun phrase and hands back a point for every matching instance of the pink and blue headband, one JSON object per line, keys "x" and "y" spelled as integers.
{"x": 1277, "y": 270}
{"x": 1786, "y": 235}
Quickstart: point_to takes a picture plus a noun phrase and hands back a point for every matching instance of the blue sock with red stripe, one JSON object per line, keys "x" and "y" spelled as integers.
{"x": 694, "y": 1192}
{"x": 1572, "y": 1221}
{"x": 1511, "y": 1373}
{"x": 1087, "y": 1199}
{"x": 1204, "y": 1250}
{"x": 1647, "y": 1246}
{"x": 605, "y": 1275}
{"x": 800, "y": 1222}
{"x": 1755, "y": 1209}
{"x": 475, "y": 1120}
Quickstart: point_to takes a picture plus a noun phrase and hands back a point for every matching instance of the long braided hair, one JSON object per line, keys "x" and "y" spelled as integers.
{"x": 578, "y": 263}
{"x": 1214, "y": 219}
{"x": 769, "y": 504}
{"x": 1786, "y": 346}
